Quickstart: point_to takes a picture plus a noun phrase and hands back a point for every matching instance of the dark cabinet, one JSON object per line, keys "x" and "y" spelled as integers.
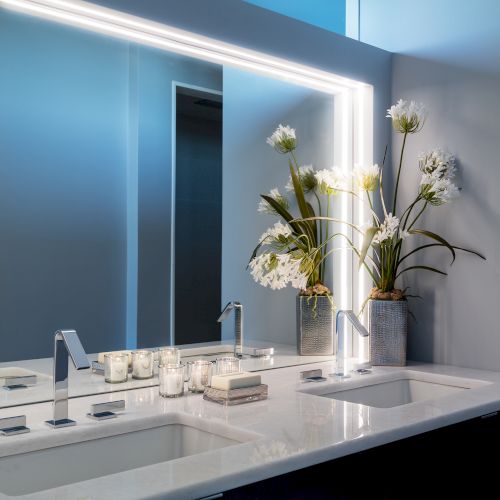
{"x": 454, "y": 462}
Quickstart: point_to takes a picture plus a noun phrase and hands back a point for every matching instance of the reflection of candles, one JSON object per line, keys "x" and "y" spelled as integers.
{"x": 227, "y": 364}
{"x": 142, "y": 364}
{"x": 115, "y": 368}
{"x": 169, "y": 356}
{"x": 200, "y": 372}
{"x": 171, "y": 379}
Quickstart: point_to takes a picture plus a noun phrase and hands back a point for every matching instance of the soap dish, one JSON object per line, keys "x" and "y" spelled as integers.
{"x": 233, "y": 397}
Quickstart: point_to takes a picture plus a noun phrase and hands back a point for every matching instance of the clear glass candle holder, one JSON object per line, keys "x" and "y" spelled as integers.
{"x": 115, "y": 368}
{"x": 171, "y": 378}
{"x": 199, "y": 374}
{"x": 142, "y": 365}
{"x": 169, "y": 356}
{"x": 227, "y": 364}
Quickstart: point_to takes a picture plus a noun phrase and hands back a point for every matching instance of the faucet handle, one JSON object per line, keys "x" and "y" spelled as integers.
{"x": 104, "y": 411}
{"x": 226, "y": 312}
{"x": 11, "y": 426}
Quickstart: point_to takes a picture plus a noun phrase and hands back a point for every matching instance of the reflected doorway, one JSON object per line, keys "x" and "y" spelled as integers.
{"x": 198, "y": 215}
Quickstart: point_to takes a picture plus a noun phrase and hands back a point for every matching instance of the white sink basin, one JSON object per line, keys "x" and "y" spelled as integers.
{"x": 395, "y": 389}
{"x": 61, "y": 465}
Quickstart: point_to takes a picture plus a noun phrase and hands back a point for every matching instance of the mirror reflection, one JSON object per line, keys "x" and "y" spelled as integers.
{"x": 129, "y": 184}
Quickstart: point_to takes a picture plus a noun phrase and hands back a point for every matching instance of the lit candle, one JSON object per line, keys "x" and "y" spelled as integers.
{"x": 199, "y": 375}
{"x": 115, "y": 368}
{"x": 169, "y": 356}
{"x": 171, "y": 378}
{"x": 142, "y": 364}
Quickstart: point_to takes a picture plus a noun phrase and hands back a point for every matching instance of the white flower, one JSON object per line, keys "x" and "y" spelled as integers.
{"x": 283, "y": 139}
{"x": 387, "y": 229}
{"x": 275, "y": 232}
{"x": 403, "y": 234}
{"x": 330, "y": 180}
{"x": 407, "y": 117}
{"x": 366, "y": 177}
{"x": 306, "y": 177}
{"x": 265, "y": 208}
{"x": 438, "y": 164}
{"x": 437, "y": 191}
{"x": 277, "y": 271}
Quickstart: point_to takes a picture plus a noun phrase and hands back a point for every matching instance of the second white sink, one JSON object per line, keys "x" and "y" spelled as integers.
{"x": 395, "y": 389}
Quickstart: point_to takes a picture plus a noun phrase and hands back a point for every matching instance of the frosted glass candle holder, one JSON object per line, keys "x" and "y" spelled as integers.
{"x": 171, "y": 378}
{"x": 227, "y": 364}
{"x": 169, "y": 356}
{"x": 199, "y": 374}
{"x": 142, "y": 365}
{"x": 115, "y": 368}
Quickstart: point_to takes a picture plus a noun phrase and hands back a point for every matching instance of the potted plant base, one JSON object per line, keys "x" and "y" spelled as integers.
{"x": 388, "y": 326}
{"x": 315, "y": 322}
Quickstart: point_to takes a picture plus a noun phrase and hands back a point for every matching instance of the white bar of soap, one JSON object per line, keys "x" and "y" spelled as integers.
{"x": 235, "y": 381}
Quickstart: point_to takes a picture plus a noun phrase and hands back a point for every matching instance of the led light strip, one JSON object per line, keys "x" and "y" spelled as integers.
{"x": 111, "y": 22}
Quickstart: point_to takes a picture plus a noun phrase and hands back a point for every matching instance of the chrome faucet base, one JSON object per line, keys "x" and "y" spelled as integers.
{"x": 103, "y": 415}
{"x": 63, "y": 422}
{"x": 11, "y": 426}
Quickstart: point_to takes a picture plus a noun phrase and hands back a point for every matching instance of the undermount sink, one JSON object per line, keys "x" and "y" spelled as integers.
{"x": 395, "y": 389}
{"x": 35, "y": 471}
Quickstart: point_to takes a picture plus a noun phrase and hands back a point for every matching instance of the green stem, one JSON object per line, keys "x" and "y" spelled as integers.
{"x": 418, "y": 215}
{"x": 399, "y": 175}
{"x": 322, "y": 267}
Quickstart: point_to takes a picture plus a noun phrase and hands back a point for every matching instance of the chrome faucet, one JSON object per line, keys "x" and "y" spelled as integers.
{"x": 339, "y": 328}
{"x": 66, "y": 344}
{"x": 238, "y": 325}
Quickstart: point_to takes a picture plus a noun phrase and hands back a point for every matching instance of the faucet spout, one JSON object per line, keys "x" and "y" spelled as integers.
{"x": 66, "y": 345}
{"x": 339, "y": 328}
{"x": 238, "y": 325}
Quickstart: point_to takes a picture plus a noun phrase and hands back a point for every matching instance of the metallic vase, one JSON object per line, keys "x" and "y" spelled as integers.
{"x": 388, "y": 322}
{"x": 315, "y": 326}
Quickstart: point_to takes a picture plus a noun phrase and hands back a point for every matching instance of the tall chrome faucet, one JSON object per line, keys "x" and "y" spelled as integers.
{"x": 238, "y": 325}
{"x": 339, "y": 328}
{"x": 66, "y": 344}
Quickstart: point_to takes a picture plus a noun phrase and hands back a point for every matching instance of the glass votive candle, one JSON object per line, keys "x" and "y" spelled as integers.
{"x": 115, "y": 367}
{"x": 227, "y": 364}
{"x": 199, "y": 375}
{"x": 171, "y": 378}
{"x": 169, "y": 356}
{"x": 142, "y": 364}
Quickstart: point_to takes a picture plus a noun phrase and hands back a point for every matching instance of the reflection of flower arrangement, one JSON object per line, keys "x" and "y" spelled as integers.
{"x": 294, "y": 250}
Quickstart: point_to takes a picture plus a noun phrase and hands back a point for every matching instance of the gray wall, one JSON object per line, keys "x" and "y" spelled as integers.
{"x": 249, "y": 26}
{"x": 449, "y": 59}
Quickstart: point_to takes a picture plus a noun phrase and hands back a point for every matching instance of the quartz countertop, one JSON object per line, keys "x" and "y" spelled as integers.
{"x": 290, "y": 430}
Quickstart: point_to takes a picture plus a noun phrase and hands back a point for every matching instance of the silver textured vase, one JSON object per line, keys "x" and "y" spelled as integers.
{"x": 388, "y": 321}
{"x": 315, "y": 326}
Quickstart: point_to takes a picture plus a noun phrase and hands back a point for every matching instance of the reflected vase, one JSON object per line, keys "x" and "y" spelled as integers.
{"x": 388, "y": 326}
{"x": 315, "y": 326}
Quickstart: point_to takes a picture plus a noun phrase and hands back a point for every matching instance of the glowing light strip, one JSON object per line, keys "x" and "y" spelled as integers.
{"x": 108, "y": 21}
{"x": 344, "y": 207}
{"x": 361, "y": 207}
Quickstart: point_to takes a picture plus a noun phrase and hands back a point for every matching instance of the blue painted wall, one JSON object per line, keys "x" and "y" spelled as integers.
{"x": 447, "y": 57}
{"x": 327, "y": 14}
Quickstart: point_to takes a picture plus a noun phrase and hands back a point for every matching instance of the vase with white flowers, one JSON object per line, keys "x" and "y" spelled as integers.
{"x": 294, "y": 251}
{"x": 384, "y": 251}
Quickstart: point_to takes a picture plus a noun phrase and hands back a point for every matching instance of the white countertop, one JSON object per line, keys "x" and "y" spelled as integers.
{"x": 290, "y": 430}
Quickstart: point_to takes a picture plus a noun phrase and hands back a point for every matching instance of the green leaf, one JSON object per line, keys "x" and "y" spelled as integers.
{"x": 425, "y": 268}
{"x": 283, "y": 212}
{"x": 299, "y": 194}
{"x": 435, "y": 237}
{"x": 439, "y": 245}
{"x": 367, "y": 240}
{"x": 254, "y": 253}
{"x": 312, "y": 215}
